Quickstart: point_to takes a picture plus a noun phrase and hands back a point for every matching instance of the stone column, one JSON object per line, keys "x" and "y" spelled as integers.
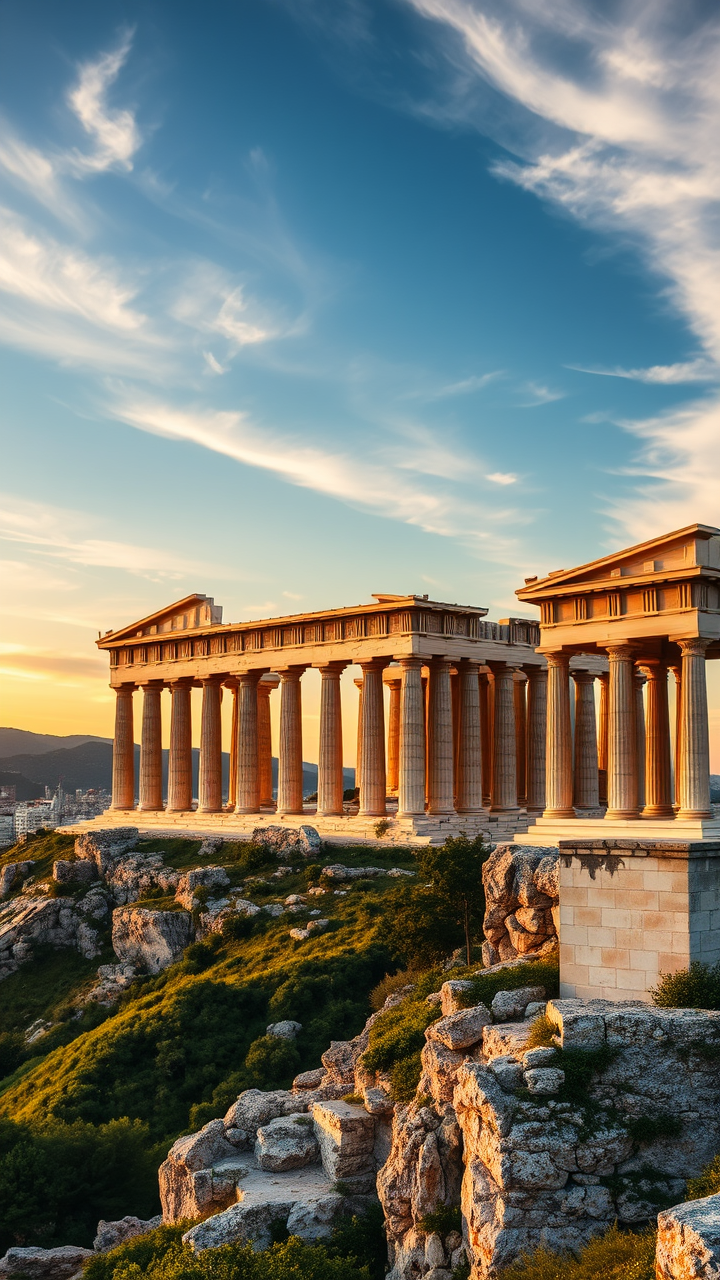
{"x": 232, "y": 771}
{"x": 639, "y": 681}
{"x": 265, "y": 781}
{"x": 210, "y": 777}
{"x": 372, "y": 762}
{"x": 358, "y": 753}
{"x": 248, "y": 755}
{"x": 151, "y": 749}
{"x": 411, "y": 772}
{"x": 468, "y": 786}
{"x": 393, "y": 756}
{"x": 486, "y": 737}
{"x": 180, "y": 759}
{"x": 290, "y": 780}
{"x": 330, "y": 754}
{"x": 658, "y": 790}
{"x": 536, "y": 737}
{"x": 585, "y": 795}
{"x": 520, "y": 698}
{"x": 559, "y": 770}
{"x": 694, "y": 736}
{"x": 622, "y": 737}
{"x": 677, "y": 672}
{"x": 123, "y": 760}
{"x": 440, "y": 739}
{"x": 602, "y": 746}
{"x": 504, "y": 775}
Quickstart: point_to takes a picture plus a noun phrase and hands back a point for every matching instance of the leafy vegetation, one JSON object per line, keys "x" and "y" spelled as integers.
{"x": 616, "y": 1255}
{"x": 542, "y": 1033}
{"x": 695, "y": 988}
{"x": 447, "y": 911}
{"x": 444, "y": 1220}
{"x": 707, "y": 1183}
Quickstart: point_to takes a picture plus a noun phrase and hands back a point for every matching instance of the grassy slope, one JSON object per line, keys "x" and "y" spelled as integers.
{"x": 175, "y": 1040}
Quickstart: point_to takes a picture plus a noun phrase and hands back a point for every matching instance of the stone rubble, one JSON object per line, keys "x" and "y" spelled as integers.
{"x": 303, "y": 839}
{"x": 110, "y": 1234}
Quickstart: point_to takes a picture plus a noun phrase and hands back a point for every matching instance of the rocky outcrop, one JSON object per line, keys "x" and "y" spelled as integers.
{"x": 199, "y": 878}
{"x": 303, "y": 840}
{"x": 106, "y": 846}
{"x": 112, "y": 980}
{"x": 43, "y": 1264}
{"x": 12, "y": 876}
{"x": 337, "y": 871}
{"x": 27, "y": 921}
{"x": 346, "y": 1137}
{"x": 288, "y": 1142}
{"x": 150, "y": 939}
{"x": 688, "y": 1241}
{"x": 522, "y": 913}
{"x": 110, "y": 1234}
{"x": 135, "y": 874}
{"x": 73, "y": 871}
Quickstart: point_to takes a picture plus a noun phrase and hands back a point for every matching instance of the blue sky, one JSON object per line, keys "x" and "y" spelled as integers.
{"x": 301, "y": 301}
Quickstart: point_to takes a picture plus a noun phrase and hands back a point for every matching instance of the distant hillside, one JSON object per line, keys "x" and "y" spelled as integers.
{"x": 22, "y": 741}
{"x": 25, "y": 789}
{"x": 90, "y": 765}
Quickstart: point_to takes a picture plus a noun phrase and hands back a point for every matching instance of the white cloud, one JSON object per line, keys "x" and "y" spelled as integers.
{"x": 466, "y": 386}
{"x": 540, "y": 395}
{"x": 502, "y": 477}
{"x": 627, "y": 106}
{"x": 115, "y": 133}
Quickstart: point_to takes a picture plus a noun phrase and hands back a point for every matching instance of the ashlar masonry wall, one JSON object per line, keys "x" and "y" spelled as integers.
{"x": 631, "y": 910}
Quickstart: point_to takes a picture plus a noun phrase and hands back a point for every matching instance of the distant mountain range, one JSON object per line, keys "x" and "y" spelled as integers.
{"x": 82, "y": 762}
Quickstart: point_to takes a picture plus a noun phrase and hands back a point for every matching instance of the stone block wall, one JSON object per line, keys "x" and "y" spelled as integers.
{"x": 633, "y": 910}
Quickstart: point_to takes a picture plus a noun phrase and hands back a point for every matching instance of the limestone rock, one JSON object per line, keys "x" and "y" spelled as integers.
{"x": 112, "y": 980}
{"x": 26, "y": 921}
{"x": 336, "y": 871}
{"x": 105, "y": 846}
{"x": 43, "y": 1264}
{"x": 288, "y": 1142}
{"x": 439, "y": 1071}
{"x": 544, "y": 1080}
{"x": 12, "y": 876}
{"x": 110, "y": 1234}
{"x": 521, "y": 893}
{"x": 135, "y": 874}
{"x": 253, "y": 1108}
{"x": 308, "y": 1079}
{"x": 540, "y": 1057}
{"x": 688, "y": 1241}
{"x": 67, "y": 872}
{"x": 507, "y": 1006}
{"x": 303, "y": 839}
{"x": 453, "y": 995}
{"x": 153, "y": 939}
{"x": 461, "y": 1030}
{"x": 346, "y": 1137}
{"x": 199, "y": 878}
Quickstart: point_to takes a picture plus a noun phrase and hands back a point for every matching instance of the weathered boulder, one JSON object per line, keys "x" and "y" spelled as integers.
{"x": 303, "y": 840}
{"x": 461, "y": 1030}
{"x": 507, "y": 1006}
{"x": 57, "y": 922}
{"x": 12, "y": 876}
{"x": 288, "y": 1142}
{"x": 189, "y": 1184}
{"x": 346, "y": 1137}
{"x": 453, "y": 995}
{"x": 688, "y": 1241}
{"x": 254, "y": 1108}
{"x": 43, "y": 1264}
{"x": 308, "y": 1079}
{"x": 73, "y": 872}
{"x": 133, "y": 875}
{"x": 199, "y": 878}
{"x": 110, "y": 1234}
{"x": 152, "y": 939}
{"x": 112, "y": 980}
{"x": 336, "y": 871}
{"x": 521, "y": 897}
{"x": 285, "y": 1030}
{"x": 105, "y": 846}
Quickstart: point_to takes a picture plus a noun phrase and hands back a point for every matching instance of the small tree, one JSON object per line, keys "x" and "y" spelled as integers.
{"x": 455, "y": 873}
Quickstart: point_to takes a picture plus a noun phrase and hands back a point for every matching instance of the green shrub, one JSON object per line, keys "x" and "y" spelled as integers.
{"x": 141, "y": 1252}
{"x": 536, "y": 973}
{"x": 695, "y": 988}
{"x": 707, "y": 1184}
{"x": 397, "y": 1034}
{"x": 443, "y": 1220}
{"x": 615, "y": 1255}
{"x": 362, "y": 1237}
{"x": 286, "y": 1260}
{"x": 12, "y": 1052}
{"x": 391, "y": 983}
{"x": 644, "y": 1129}
{"x": 542, "y": 1031}
{"x": 57, "y": 1180}
{"x": 271, "y": 1062}
{"x": 247, "y": 856}
{"x": 580, "y": 1065}
{"x": 405, "y": 1078}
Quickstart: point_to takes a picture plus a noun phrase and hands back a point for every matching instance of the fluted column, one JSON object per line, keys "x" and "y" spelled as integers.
{"x": 622, "y": 737}
{"x": 520, "y": 699}
{"x": 180, "y": 758}
{"x": 486, "y": 737}
{"x": 602, "y": 742}
{"x": 232, "y": 771}
{"x": 468, "y": 785}
{"x": 210, "y": 774}
{"x": 372, "y": 763}
{"x": 411, "y": 771}
{"x": 440, "y": 739}
{"x": 358, "y": 753}
{"x": 677, "y": 673}
{"x": 658, "y": 789}
{"x": 585, "y": 794}
{"x": 290, "y": 780}
{"x": 504, "y": 775}
{"x": 123, "y": 761}
{"x": 330, "y": 753}
{"x": 248, "y": 772}
{"x": 559, "y": 770}
{"x": 536, "y": 737}
{"x": 151, "y": 749}
{"x": 393, "y": 756}
{"x": 265, "y": 780}
{"x": 639, "y": 681}
{"x": 694, "y": 734}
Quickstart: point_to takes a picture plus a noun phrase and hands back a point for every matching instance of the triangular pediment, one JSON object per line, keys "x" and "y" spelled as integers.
{"x": 190, "y": 613}
{"x": 691, "y": 549}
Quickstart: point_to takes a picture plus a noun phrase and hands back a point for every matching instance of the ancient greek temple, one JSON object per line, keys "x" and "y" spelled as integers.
{"x": 654, "y": 611}
{"x": 456, "y": 744}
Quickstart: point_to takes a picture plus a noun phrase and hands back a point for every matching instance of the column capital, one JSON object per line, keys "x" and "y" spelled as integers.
{"x": 332, "y": 668}
{"x": 652, "y": 668}
{"x": 411, "y": 663}
{"x": 467, "y": 664}
{"x": 212, "y": 680}
{"x": 558, "y": 658}
{"x": 639, "y": 677}
{"x": 291, "y": 673}
{"x": 500, "y": 667}
{"x": 620, "y": 651}
{"x": 153, "y": 684}
{"x": 182, "y": 682}
{"x": 374, "y": 664}
{"x": 694, "y": 646}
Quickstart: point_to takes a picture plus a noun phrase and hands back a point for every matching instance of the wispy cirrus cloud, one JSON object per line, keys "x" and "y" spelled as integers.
{"x": 617, "y": 118}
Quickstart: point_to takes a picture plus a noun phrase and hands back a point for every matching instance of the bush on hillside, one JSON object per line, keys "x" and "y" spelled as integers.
{"x": 58, "y": 1180}
{"x": 695, "y": 988}
{"x": 616, "y": 1255}
{"x": 271, "y": 1062}
{"x": 707, "y": 1183}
